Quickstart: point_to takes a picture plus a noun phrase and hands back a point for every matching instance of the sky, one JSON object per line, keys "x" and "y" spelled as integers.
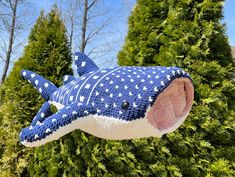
{"x": 229, "y": 20}
{"x": 119, "y": 33}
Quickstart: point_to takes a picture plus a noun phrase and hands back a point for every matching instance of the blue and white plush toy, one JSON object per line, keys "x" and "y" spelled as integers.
{"x": 113, "y": 103}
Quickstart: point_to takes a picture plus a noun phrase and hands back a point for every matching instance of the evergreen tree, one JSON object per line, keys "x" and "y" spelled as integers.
{"x": 47, "y": 53}
{"x": 189, "y": 34}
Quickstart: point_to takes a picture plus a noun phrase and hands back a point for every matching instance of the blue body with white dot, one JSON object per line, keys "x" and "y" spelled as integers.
{"x": 110, "y": 103}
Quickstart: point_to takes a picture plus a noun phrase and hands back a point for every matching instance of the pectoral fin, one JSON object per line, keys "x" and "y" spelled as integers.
{"x": 42, "y": 114}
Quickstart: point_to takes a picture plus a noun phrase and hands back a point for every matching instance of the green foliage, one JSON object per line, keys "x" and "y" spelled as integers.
{"x": 53, "y": 108}
{"x": 189, "y": 34}
{"x": 185, "y": 33}
{"x": 47, "y": 53}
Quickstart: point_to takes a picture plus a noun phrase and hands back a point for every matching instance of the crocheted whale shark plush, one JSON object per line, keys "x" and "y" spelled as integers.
{"x": 113, "y": 103}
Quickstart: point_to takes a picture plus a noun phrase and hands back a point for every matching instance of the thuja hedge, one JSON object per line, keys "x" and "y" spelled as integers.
{"x": 189, "y": 34}
{"x": 47, "y": 53}
{"x": 185, "y": 33}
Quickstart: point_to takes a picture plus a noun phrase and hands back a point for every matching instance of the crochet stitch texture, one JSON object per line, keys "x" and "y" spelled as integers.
{"x": 112, "y": 103}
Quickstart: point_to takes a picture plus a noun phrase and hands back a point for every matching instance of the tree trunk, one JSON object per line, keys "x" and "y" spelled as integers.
{"x": 11, "y": 41}
{"x": 84, "y": 26}
{"x": 71, "y": 36}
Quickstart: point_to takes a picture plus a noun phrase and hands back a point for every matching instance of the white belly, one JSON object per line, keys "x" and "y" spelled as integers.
{"x": 112, "y": 128}
{"x": 116, "y": 129}
{"x": 103, "y": 127}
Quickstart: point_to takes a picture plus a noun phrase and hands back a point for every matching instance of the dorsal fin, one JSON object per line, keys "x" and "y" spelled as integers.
{"x": 84, "y": 64}
{"x": 67, "y": 79}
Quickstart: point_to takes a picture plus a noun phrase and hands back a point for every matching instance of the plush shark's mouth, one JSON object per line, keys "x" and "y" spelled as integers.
{"x": 172, "y": 106}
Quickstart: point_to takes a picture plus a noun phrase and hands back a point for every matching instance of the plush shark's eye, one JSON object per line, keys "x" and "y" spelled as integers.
{"x": 125, "y": 105}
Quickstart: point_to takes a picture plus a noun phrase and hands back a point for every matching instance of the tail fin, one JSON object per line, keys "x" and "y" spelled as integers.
{"x": 44, "y": 87}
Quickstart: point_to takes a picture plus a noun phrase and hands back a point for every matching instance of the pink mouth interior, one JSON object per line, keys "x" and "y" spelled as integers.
{"x": 172, "y": 106}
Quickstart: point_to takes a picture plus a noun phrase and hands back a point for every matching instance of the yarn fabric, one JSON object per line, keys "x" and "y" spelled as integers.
{"x": 112, "y": 103}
